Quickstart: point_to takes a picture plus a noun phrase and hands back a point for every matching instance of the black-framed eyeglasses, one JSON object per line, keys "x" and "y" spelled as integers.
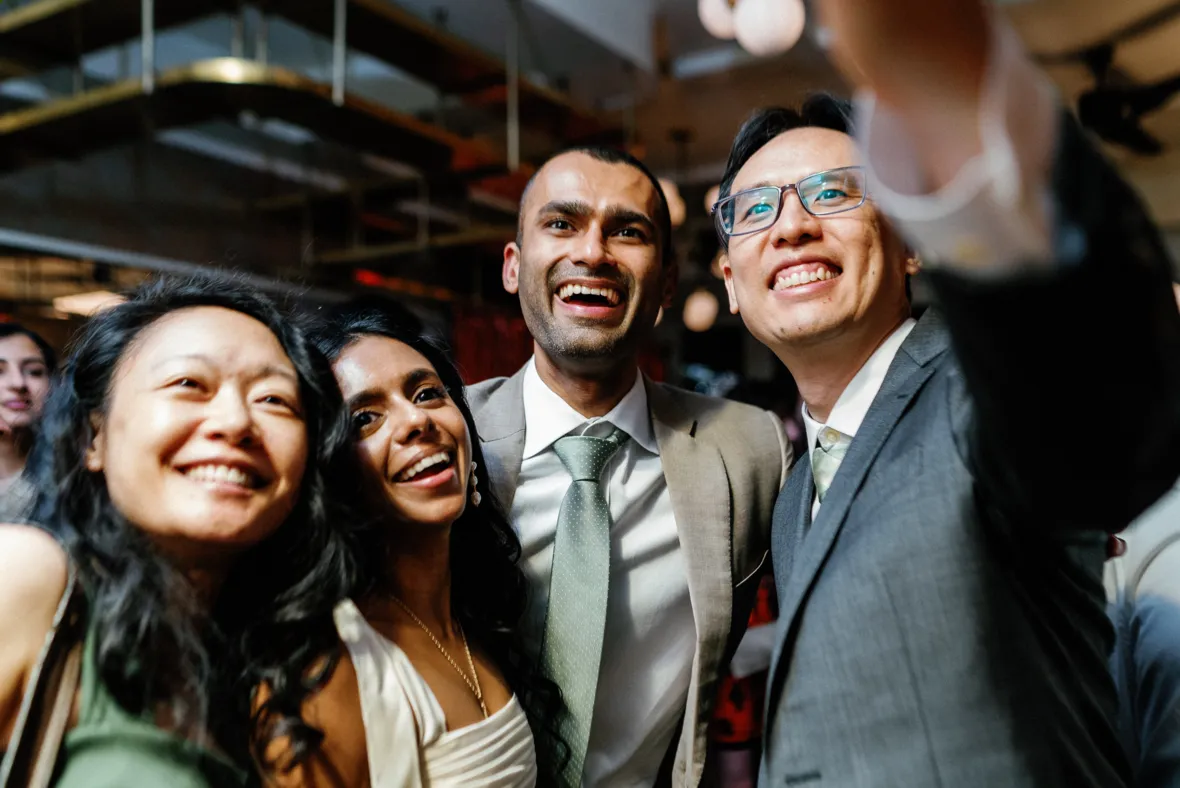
{"x": 823, "y": 194}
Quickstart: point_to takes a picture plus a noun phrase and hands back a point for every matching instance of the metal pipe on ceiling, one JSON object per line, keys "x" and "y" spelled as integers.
{"x": 339, "y": 51}
{"x": 513, "y": 77}
{"x": 62, "y": 247}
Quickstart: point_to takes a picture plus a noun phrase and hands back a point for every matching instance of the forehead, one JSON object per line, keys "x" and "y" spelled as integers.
{"x": 796, "y": 154}
{"x": 377, "y": 362}
{"x": 230, "y": 339}
{"x": 577, "y": 177}
{"x": 19, "y": 346}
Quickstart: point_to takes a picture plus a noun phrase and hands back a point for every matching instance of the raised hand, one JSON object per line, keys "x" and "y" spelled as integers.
{"x": 924, "y": 59}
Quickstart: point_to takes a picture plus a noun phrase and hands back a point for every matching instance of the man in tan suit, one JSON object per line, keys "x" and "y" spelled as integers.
{"x": 643, "y": 509}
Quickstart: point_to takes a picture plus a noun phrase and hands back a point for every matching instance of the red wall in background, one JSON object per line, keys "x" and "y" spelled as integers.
{"x": 488, "y": 343}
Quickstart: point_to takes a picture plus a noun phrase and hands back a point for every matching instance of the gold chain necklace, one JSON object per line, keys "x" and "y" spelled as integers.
{"x": 475, "y": 687}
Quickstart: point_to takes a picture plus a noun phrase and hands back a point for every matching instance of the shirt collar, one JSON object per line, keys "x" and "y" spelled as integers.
{"x": 853, "y": 403}
{"x": 548, "y": 417}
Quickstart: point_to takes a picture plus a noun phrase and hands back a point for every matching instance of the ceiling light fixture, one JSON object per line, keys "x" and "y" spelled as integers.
{"x": 700, "y": 310}
{"x": 717, "y": 17}
{"x": 677, "y": 210}
{"x": 769, "y": 27}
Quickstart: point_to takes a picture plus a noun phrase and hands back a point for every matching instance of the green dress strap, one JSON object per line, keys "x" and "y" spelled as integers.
{"x": 111, "y": 748}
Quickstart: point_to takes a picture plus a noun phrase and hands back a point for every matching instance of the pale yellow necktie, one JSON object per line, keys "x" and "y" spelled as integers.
{"x": 826, "y": 458}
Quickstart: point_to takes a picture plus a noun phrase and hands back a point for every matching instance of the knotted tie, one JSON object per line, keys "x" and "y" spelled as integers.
{"x": 826, "y": 458}
{"x": 576, "y": 619}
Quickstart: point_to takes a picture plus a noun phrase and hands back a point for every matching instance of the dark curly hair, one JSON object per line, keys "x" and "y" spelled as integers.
{"x": 272, "y": 623}
{"x": 488, "y": 588}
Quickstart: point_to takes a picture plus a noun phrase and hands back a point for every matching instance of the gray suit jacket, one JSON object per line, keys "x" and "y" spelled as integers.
{"x": 942, "y": 621}
{"x": 724, "y": 463}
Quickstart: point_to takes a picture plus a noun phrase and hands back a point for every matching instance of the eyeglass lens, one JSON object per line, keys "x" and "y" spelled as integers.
{"x": 822, "y": 194}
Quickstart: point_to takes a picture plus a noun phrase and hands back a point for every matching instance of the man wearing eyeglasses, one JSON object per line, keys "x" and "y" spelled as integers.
{"x": 939, "y": 557}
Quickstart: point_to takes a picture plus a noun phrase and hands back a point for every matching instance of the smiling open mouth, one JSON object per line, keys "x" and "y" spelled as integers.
{"x": 589, "y": 296}
{"x": 426, "y": 467}
{"x": 794, "y": 277}
{"x": 224, "y": 474}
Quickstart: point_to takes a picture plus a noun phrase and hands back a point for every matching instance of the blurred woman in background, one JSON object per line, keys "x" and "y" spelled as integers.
{"x": 433, "y": 652}
{"x": 186, "y": 462}
{"x": 26, "y": 366}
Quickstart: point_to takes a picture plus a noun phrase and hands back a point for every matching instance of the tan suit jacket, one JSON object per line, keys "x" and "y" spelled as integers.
{"x": 725, "y": 463}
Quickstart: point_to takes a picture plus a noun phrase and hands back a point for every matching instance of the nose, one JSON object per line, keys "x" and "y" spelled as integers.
{"x": 592, "y": 248}
{"x": 231, "y": 420}
{"x": 14, "y": 380}
{"x": 412, "y": 422}
{"x": 795, "y": 226}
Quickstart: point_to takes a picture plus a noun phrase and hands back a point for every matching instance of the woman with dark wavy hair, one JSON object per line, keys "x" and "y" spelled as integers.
{"x": 432, "y": 648}
{"x": 26, "y": 365}
{"x": 186, "y": 461}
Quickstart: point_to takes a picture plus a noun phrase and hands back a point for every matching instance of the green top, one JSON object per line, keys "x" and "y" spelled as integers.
{"x": 110, "y": 748}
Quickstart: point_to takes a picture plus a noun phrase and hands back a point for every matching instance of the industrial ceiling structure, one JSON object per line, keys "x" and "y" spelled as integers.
{"x": 329, "y": 147}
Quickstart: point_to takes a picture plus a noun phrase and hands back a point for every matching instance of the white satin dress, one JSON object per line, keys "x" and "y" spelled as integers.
{"x": 406, "y": 733}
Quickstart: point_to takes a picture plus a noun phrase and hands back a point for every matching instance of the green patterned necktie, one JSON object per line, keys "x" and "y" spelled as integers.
{"x": 826, "y": 458}
{"x": 576, "y": 620}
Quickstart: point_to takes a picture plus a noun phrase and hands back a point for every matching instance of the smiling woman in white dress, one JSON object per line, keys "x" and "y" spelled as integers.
{"x": 432, "y": 687}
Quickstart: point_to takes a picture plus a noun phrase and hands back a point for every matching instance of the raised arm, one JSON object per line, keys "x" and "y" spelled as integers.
{"x": 1051, "y": 277}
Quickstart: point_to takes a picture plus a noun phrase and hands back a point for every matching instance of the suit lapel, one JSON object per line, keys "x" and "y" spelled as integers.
{"x": 792, "y": 518}
{"x": 907, "y": 374}
{"x": 501, "y": 433}
{"x": 699, "y": 490}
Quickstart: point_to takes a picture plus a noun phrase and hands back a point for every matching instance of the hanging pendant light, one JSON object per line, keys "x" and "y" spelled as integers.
{"x": 716, "y": 17}
{"x": 700, "y": 310}
{"x": 676, "y": 207}
{"x": 769, "y": 27}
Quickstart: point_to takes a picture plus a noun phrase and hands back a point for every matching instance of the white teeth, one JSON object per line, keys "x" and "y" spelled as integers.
{"x": 423, "y": 464}
{"x": 219, "y": 473}
{"x": 786, "y": 280}
{"x": 611, "y": 295}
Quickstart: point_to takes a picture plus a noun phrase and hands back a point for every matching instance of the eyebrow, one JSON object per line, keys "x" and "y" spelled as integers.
{"x": 762, "y": 184}
{"x": 615, "y": 214}
{"x": 265, "y": 371}
{"x": 412, "y": 380}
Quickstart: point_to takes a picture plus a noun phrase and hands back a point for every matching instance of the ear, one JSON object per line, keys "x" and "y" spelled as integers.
{"x": 510, "y": 273}
{"x": 727, "y": 272}
{"x": 97, "y": 448}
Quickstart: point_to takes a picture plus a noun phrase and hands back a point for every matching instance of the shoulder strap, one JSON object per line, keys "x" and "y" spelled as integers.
{"x": 45, "y": 711}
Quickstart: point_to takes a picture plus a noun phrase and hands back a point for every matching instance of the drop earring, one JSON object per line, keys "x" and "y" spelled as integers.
{"x": 475, "y": 496}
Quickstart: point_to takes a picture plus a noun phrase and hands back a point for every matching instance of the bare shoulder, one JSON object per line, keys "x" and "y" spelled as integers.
{"x": 33, "y": 569}
{"x": 33, "y": 575}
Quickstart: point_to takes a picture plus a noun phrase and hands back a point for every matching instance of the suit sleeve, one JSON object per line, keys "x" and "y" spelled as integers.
{"x": 786, "y": 453}
{"x": 1073, "y": 369}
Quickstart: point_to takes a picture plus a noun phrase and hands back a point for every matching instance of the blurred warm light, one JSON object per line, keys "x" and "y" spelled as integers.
{"x": 87, "y": 304}
{"x": 711, "y": 198}
{"x": 660, "y": 316}
{"x": 715, "y": 266}
{"x": 700, "y": 310}
{"x": 676, "y": 207}
{"x": 769, "y": 27}
{"x": 716, "y": 17}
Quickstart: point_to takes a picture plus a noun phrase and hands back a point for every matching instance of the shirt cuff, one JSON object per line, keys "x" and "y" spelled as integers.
{"x": 995, "y": 215}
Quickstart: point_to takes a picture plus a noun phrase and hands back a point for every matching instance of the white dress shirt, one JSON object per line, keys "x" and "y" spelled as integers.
{"x": 853, "y": 403}
{"x": 650, "y": 636}
{"x": 996, "y": 214}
